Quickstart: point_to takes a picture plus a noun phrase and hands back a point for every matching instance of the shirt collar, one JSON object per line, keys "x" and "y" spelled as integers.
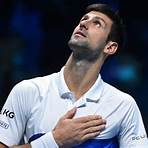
{"x": 63, "y": 88}
{"x": 92, "y": 95}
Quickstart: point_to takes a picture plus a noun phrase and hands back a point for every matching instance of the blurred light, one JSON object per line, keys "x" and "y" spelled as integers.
{"x": 126, "y": 73}
{"x": 123, "y": 70}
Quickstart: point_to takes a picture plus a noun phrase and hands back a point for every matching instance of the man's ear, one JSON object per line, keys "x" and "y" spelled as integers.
{"x": 111, "y": 48}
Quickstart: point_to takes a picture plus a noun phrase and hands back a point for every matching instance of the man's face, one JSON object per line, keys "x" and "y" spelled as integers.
{"x": 89, "y": 37}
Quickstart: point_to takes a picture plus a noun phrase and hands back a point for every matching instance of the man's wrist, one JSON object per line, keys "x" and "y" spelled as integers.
{"x": 46, "y": 141}
{"x": 57, "y": 139}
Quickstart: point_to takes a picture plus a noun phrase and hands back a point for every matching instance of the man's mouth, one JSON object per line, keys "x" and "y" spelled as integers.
{"x": 80, "y": 33}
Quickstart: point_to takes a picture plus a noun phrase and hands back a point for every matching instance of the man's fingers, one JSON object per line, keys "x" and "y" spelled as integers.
{"x": 88, "y": 118}
{"x": 93, "y": 123}
{"x": 90, "y": 136}
{"x": 70, "y": 114}
{"x": 94, "y": 129}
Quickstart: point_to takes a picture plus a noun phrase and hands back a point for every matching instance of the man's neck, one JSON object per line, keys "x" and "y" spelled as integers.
{"x": 81, "y": 75}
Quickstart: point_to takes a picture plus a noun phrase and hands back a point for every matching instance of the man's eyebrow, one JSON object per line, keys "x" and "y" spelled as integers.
{"x": 99, "y": 18}
{"x": 85, "y": 16}
{"x": 96, "y": 17}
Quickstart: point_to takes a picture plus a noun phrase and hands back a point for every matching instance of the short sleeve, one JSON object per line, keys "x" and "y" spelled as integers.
{"x": 132, "y": 132}
{"x": 15, "y": 112}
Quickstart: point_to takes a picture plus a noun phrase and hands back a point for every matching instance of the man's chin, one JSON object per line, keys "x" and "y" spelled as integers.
{"x": 76, "y": 45}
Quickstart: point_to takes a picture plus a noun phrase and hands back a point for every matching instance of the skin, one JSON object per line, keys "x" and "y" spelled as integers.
{"x": 89, "y": 51}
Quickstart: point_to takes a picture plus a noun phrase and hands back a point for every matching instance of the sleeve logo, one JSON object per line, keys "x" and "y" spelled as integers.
{"x": 4, "y": 125}
{"x": 7, "y": 113}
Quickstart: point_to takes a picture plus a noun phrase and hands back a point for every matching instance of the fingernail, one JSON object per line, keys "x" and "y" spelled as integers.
{"x": 98, "y": 116}
{"x": 103, "y": 126}
{"x": 104, "y": 121}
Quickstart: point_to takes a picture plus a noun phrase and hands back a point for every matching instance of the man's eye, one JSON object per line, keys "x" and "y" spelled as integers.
{"x": 97, "y": 23}
{"x": 83, "y": 19}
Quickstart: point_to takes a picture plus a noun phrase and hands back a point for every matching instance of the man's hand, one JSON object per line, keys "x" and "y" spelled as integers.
{"x": 70, "y": 131}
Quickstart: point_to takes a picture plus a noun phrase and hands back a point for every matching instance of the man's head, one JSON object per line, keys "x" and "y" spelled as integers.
{"x": 99, "y": 32}
{"x": 117, "y": 29}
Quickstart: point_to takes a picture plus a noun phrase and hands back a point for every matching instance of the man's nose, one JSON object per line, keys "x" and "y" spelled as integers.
{"x": 84, "y": 24}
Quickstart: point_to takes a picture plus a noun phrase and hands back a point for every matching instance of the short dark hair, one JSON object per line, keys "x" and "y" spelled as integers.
{"x": 117, "y": 33}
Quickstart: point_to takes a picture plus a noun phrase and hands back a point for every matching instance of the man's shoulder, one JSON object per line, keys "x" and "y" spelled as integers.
{"x": 117, "y": 94}
{"x": 36, "y": 84}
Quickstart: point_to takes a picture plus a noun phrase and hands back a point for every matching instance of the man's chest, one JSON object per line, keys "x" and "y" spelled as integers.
{"x": 45, "y": 116}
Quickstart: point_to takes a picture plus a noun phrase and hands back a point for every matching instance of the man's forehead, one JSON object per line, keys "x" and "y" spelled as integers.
{"x": 98, "y": 15}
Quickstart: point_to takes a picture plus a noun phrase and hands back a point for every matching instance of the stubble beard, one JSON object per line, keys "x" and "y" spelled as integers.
{"x": 83, "y": 51}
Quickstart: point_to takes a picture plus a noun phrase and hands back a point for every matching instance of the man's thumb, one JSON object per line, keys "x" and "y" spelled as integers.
{"x": 70, "y": 114}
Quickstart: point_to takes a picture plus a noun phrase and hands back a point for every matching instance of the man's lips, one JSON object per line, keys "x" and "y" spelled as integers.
{"x": 80, "y": 33}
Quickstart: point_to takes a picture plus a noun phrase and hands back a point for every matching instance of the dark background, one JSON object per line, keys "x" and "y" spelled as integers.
{"x": 33, "y": 42}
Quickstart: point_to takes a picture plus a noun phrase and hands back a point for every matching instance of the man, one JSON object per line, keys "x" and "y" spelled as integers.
{"x": 75, "y": 107}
